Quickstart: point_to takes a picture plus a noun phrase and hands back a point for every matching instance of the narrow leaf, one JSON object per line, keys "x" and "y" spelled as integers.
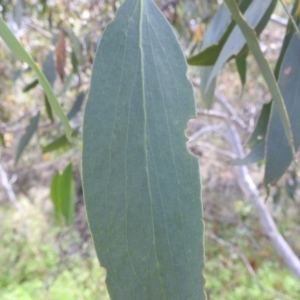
{"x": 256, "y": 154}
{"x": 60, "y": 55}
{"x": 141, "y": 186}
{"x": 55, "y": 196}
{"x": 30, "y": 129}
{"x": 251, "y": 38}
{"x": 215, "y": 37}
{"x": 30, "y": 86}
{"x": 67, "y": 194}
{"x": 76, "y": 106}
{"x": 48, "y": 109}
{"x": 75, "y": 44}
{"x": 62, "y": 195}
{"x": 236, "y": 41}
{"x": 261, "y": 127}
{"x": 290, "y": 30}
{"x": 207, "y": 94}
{"x": 2, "y": 139}
{"x": 49, "y": 68}
{"x": 18, "y": 50}
{"x": 257, "y": 141}
{"x": 58, "y": 143}
{"x": 241, "y": 65}
{"x": 278, "y": 151}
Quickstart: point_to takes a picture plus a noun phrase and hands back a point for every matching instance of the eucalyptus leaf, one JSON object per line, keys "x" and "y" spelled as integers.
{"x": 49, "y": 68}
{"x": 30, "y": 86}
{"x": 58, "y": 143}
{"x": 256, "y": 154}
{"x": 76, "y": 106}
{"x": 279, "y": 154}
{"x": 26, "y": 137}
{"x": 236, "y": 41}
{"x": 257, "y": 140}
{"x": 251, "y": 38}
{"x": 207, "y": 94}
{"x": 62, "y": 195}
{"x": 141, "y": 186}
{"x": 241, "y": 65}
{"x": 18, "y": 50}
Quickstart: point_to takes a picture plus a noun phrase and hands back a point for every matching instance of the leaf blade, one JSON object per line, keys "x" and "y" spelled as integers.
{"x": 250, "y": 36}
{"x": 139, "y": 205}
{"x": 278, "y": 152}
{"x": 26, "y": 137}
{"x": 18, "y": 50}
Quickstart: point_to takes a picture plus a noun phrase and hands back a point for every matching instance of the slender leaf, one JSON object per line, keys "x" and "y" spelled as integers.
{"x": 257, "y": 140}
{"x": 26, "y": 137}
{"x": 76, "y": 106}
{"x": 55, "y": 196}
{"x": 60, "y": 54}
{"x": 66, "y": 85}
{"x": 48, "y": 109}
{"x": 236, "y": 41}
{"x": 75, "y": 44}
{"x": 67, "y": 194}
{"x": 279, "y": 154}
{"x": 215, "y": 37}
{"x": 290, "y": 30}
{"x": 62, "y": 195}
{"x": 256, "y": 154}
{"x": 141, "y": 186}
{"x": 30, "y": 85}
{"x": 207, "y": 94}
{"x": 74, "y": 62}
{"x": 18, "y": 50}
{"x": 49, "y": 68}
{"x": 241, "y": 64}
{"x": 251, "y": 38}
{"x": 2, "y": 139}
{"x": 261, "y": 126}
{"x": 58, "y": 143}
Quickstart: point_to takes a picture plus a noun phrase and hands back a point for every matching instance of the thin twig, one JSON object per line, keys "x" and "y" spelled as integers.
{"x": 250, "y": 269}
{"x": 221, "y": 116}
{"x": 203, "y": 130}
{"x": 278, "y": 20}
{"x": 248, "y": 186}
{"x": 9, "y": 190}
{"x": 226, "y": 153}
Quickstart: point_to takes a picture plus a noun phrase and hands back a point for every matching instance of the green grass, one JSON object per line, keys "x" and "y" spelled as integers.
{"x": 32, "y": 269}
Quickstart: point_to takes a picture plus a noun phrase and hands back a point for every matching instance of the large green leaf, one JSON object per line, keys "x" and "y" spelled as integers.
{"x": 278, "y": 151}
{"x": 18, "y": 50}
{"x": 251, "y": 38}
{"x": 141, "y": 186}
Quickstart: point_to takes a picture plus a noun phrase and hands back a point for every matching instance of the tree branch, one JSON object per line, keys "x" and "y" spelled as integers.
{"x": 248, "y": 186}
